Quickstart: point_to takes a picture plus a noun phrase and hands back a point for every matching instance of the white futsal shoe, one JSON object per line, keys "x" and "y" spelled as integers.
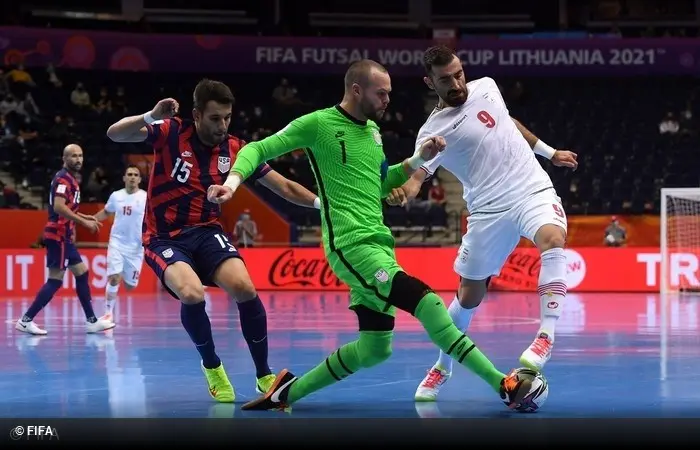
{"x": 30, "y": 327}
{"x": 429, "y": 388}
{"x": 539, "y": 352}
{"x": 100, "y": 325}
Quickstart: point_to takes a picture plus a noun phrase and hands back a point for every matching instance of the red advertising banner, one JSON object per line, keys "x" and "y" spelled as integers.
{"x": 589, "y": 269}
{"x": 23, "y": 272}
{"x": 594, "y": 269}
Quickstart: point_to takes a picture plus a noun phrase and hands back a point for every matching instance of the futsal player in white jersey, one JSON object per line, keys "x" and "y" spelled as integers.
{"x": 508, "y": 195}
{"x": 125, "y": 248}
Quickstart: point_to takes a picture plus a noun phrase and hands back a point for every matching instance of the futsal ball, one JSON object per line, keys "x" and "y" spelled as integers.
{"x": 537, "y": 396}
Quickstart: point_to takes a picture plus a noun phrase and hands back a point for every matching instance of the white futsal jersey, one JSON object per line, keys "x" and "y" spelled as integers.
{"x": 485, "y": 150}
{"x": 128, "y": 210}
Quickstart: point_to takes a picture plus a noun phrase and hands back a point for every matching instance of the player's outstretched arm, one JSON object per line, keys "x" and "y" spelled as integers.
{"x": 560, "y": 158}
{"x": 398, "y": 174}
{"x": 408, "y": 191}
{"x": 102, "y": 215}
{"x": 133, "y": 128}
{"x": 290, "y": 190}
{"x": 300, "y": 133}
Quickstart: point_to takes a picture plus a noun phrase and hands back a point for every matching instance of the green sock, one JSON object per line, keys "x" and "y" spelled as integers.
{"x": 372, "y": 348}
{"x": 431, "y": 312}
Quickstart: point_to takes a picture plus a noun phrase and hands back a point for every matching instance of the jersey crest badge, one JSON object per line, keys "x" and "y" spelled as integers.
{"x": 382, "y": 276}
{"x": 377, "y": 137}
{"x": 224, "y": 164}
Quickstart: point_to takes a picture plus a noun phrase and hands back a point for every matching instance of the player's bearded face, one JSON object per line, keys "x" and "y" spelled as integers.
{"x": 74, "y": 161}
{"x": 375, "y": 97}
{"x": 213, "y": 122}
{"x": 450, "y": 83}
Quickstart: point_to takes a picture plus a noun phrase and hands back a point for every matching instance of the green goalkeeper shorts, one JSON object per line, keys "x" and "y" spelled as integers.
{"x": 368, "y": 269}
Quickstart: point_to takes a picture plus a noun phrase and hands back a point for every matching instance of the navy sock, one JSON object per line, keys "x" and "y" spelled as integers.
{"x": 254, "y": 327}
{"x": 43, "y": 297}
{"x": 196, "y": 322}
{"x": 82, "y": 287}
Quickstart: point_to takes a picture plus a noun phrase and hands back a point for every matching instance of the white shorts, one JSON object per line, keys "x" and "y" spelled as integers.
{"x": 126, "y": 264}
{"x": 492, "y": 237}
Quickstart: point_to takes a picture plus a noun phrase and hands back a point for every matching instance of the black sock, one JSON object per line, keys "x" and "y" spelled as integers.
{"x": 254, "y": 327}
{"x": 196, "y": 322}
{"x": 43, "y": 297}
{"x": 82, "y": 287}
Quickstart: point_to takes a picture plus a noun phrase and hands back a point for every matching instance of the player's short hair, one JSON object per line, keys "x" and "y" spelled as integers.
{"x": 438, "y": 55}
{"x": 359, "y": 71}
{"x": 210, "y": 90}
{"x": 132, "y": 166}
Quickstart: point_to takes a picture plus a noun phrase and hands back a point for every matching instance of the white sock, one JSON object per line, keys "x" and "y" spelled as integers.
{"x": 110, "y": 297}
{"x": 551, "y": 289}
{"x": 462, "y": 317}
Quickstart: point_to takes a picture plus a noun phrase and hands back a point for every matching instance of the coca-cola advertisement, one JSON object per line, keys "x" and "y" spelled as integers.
{"x": 301, "y": 269}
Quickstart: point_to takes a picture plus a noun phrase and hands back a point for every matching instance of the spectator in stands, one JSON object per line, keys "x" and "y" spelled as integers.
{"x": 436, "y": 194}
{"x": 119, "y": 104}
{"x": 4, "y": 86}
{"x": 20, "y": 80}
{"x": 615, "y": 234}
{"x": 687, "y": 124}
{"x": 80, "y": 97}
{"x": 27, "y": 131}
{"x": 103, "y": 103}
{"x": 8, "y": 105}
{"x": 53, "y": 78}
{"x": 6, "y": 133}
{"x": 97, "y": 185}
{"x": 29, "y": 108}
{"x": 285, "y": 94}
{"x": 669, "y": 125}
{"x": 245, "y": 232}
{"x": 58, "y": 132}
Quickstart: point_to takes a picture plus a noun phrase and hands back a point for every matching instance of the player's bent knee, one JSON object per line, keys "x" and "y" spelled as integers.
{"x": 374, "y": 348}
{"x": 56, "y": 274}
{"x": 114, "y": 280}
{"x": 184, "y": 282}
{"x": 78, "y": 269}
{"x": 550, "y": 236}
{"x": 471, "y": 292}
{"x": 191, "y": 295}
{"x": 370, "y": 320}
{"x": 232, "y": 276}
{"x": 407, "y": 292}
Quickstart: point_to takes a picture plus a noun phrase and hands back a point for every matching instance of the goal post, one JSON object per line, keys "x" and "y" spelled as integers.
{"x": 679, "y": 242}
{"x": 679, "y": 245}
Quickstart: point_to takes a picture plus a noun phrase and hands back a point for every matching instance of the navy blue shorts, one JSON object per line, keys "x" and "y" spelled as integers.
{"x": 202, "y": 248}
{"x": 61, "y": 254}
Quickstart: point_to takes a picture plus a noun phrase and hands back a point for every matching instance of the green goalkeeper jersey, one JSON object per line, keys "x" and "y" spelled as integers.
{"x": 351, "y": 170}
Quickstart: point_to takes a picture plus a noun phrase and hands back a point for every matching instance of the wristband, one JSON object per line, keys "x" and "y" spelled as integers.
{"x": 317, "y": 203}
{"x": 148, "y": 118}
{"x": 415, "y": 161}
{"x": 543, "y": 149}
{"x": 233, "y": 181}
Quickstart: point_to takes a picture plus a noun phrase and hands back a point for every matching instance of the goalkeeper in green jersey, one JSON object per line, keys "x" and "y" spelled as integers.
{"x": 345, "y": 151}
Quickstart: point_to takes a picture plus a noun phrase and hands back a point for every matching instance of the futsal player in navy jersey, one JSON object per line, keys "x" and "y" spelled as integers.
{"x": 184, "y": 242}
{"x": 61, "y": 253}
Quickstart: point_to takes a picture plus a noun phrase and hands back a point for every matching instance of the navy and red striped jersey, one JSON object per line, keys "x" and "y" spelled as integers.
{"x": 182, "y": 171}
{"x": 63, "y": 185}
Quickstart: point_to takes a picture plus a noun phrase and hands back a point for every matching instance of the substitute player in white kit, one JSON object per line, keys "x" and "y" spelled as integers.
{"x": 508, "y": 195}
{"x": 125, "y": 248}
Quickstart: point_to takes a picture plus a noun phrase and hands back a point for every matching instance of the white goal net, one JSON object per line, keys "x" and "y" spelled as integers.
{"x": 680, "y": 240}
